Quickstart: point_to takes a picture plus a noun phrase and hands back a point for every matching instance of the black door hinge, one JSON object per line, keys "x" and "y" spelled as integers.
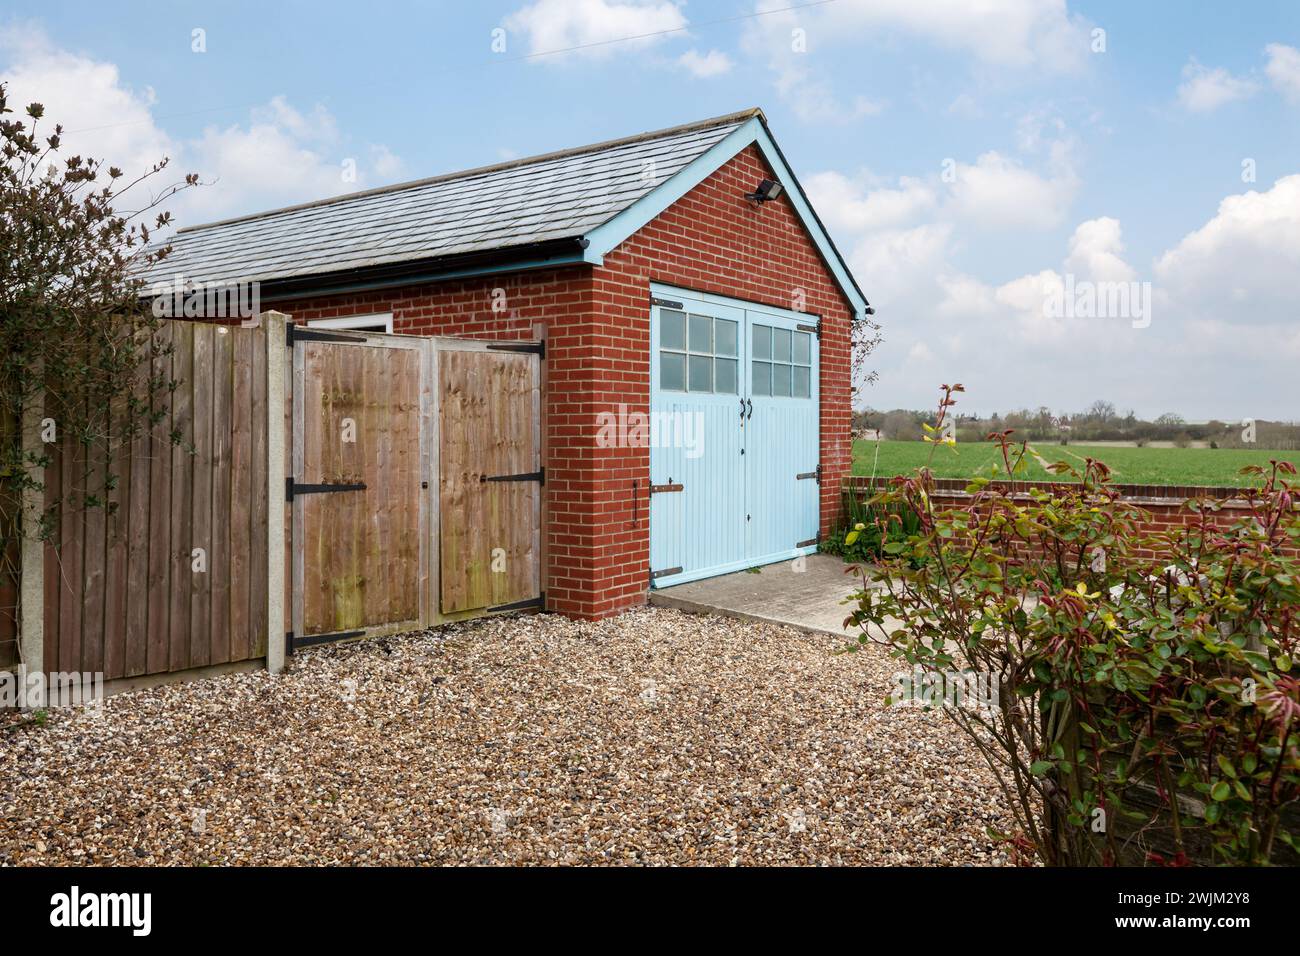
{"x": 538, "y": 476}
{"x": 666, "y": 303}
{"x": 664, "y": 573}
{"x": 814, "y": 329}
{"x": 808, "y": 543}
{"x": 538, "y": 602}
{"x": 292, "y": 488}
{"x": 292, "y": 643}
{"x": 815, "y": 473}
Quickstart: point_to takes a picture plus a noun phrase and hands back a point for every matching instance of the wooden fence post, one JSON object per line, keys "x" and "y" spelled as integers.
{"x": 31, "y": 624}
{"x": 274, "y": 327}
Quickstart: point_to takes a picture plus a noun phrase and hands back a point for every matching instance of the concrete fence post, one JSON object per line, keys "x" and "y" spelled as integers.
{"x": 274, "y": 325}
{"x": 31, "y": 620}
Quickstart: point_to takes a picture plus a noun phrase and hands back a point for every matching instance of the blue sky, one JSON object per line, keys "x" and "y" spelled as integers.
{"x": 967, "y": 165}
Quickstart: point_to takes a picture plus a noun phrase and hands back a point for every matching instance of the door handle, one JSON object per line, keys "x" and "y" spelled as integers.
{"x": 742, "y": 410}
{"x": 750, "y": 403}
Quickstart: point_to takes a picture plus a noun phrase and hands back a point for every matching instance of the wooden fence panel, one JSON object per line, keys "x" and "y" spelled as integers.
{"x": 122, "y": 595}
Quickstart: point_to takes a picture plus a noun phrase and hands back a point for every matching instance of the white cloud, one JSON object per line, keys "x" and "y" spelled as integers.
{"x": 1222, "y": 335}
{"x": 259, "y": 166}
{"x": 1096, "y": 252}
{"x": 1203, "y": 89}
{"x": 898, "y": 268}
{"x": 280, "y": 155}
{"x": 1241, "y": 265}
{"x": 101, "y": 116}
{"x": 1283, "y": 70}
{"x": 814, "y": 101}
{"x": 564, "y": 24}
{"x": 854, "y": 207}
{"x": 999, "y": 192}
{"x": 315, "y": 126}
{"x": 713, "y": 63}
{"x": 1038, "y": 36}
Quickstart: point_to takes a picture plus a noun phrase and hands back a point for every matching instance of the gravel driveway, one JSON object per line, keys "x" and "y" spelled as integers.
{"x": 656, "y": 737}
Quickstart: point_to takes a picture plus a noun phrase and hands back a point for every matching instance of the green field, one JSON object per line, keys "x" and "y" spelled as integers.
{"x": 1137, "y": 466}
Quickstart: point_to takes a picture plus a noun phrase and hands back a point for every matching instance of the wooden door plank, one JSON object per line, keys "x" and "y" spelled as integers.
{"x": 135, "y": 658}
{"x": 240, "y": 494}
{"x": 260, "y": 496}
{"x": 202, "y": 384}
{"x": 182, "y": 477}
{"x": 223, "y": 399}
{"x": 160, "y": 485}
{"x": 117, "y": 535}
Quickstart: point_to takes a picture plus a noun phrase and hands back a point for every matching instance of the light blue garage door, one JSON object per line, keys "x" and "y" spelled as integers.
{"x": 734, "y": 435}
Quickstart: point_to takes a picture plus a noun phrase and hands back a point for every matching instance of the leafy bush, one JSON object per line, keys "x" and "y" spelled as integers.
{"x": 868, "y": 527}
{"x": 77, "y": 336}
{"x": 1135, "y": 695}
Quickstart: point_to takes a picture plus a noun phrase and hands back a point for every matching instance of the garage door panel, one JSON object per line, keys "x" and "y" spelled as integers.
{"x": 697, "y": 440}
{"x": 742, "y": 502}
{"x": 782, "y": 440}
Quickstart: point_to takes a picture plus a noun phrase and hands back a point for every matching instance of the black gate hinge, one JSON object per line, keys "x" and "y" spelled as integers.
{"x": 292, "y": 643}
{"x": 292, "y": 488}
{"x": 814, "y": 329}
{"x": 665, "y": 303}
{"x": 538, "y": 602}
{"x": 538, "y": 476}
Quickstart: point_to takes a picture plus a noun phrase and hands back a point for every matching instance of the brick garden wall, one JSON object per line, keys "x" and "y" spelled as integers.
{"x": 597, "y": 323}
{"x": 1166, "y": 506}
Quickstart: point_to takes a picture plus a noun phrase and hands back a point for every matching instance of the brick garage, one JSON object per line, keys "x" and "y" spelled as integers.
{"x": 687, "y": 223}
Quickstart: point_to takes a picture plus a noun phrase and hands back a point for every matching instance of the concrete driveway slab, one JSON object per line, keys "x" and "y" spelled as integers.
{"x": 807, "y": 594}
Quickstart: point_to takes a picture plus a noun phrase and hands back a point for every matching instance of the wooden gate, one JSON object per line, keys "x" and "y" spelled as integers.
{"x": 489, "y": 451}
{"x": 415, "y": 484}
{"x": 359, "y": 484}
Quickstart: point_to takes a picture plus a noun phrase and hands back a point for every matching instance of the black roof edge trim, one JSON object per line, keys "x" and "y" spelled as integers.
{"x": 418, "y": 270}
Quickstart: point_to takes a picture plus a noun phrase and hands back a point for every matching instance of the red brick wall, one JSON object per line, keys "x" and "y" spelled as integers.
{"x": 1165, "y": 506}
{"x": 597, "y": 323}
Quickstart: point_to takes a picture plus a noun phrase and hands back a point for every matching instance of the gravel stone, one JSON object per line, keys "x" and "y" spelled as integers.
{"x": 654, "y": 737}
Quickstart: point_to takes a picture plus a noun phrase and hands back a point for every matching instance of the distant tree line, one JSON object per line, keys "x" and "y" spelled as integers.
{"x": 1100, "y": 422}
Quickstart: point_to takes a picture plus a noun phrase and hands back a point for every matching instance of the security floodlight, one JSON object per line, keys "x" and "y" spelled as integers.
{"x": 767, "y": 189}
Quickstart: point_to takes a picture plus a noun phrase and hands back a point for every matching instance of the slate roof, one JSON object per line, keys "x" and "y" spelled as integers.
{"x": 555, "y": 196}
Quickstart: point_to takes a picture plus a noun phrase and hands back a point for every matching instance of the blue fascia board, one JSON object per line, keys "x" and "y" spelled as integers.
{"x": 607, "y": 236}
{"x": 666, "y": 291}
